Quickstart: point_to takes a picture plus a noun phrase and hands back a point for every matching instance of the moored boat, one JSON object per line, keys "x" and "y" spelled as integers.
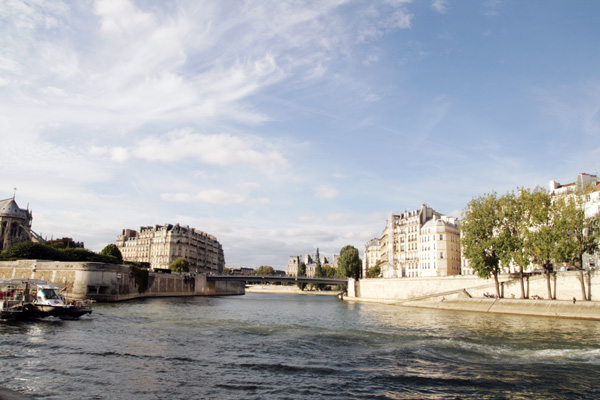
{"x": 23, "y": 299}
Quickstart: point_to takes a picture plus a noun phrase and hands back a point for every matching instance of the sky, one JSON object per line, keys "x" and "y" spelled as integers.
{"x": 285, "y": 126}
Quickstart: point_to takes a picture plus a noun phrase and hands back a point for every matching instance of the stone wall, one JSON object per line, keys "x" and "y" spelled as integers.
{"x": 112, "y": 282}
{"x": 567, "y": 287}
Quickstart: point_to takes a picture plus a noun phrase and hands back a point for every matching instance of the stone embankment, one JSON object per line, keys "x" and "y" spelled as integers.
{"x": 113, "y": 282}
{"x": 468, "y": 293}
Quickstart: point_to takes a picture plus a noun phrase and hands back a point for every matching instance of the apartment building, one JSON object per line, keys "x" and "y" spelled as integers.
{"x": 159, "y": 245}
{"x": 419, "y": 243}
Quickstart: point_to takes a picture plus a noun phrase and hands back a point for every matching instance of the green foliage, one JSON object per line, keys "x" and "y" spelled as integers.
{"x": 263, "y": 270}
{"x": 328, "y": 271}
{"x": 34, "y": 251}
{"x": 180, "y": 264}
{"x": 63, "y": 243}
{"x": 113, "y": 251}
{"x": 141, "y": 277}
{"x": 349, "y": 263}
{"x": 481, "y": 236}
{"x": 374, "y": 271}
{"x": 40, "y": 251}
{"x": 301, "y": 272}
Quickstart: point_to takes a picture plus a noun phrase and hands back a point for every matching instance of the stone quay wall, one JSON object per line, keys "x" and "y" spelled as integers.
{"x": 116, "y": 282}
{"x": 401, "y": 289}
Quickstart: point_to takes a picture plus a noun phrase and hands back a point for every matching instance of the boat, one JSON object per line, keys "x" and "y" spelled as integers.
{"x": 25, "y": 299}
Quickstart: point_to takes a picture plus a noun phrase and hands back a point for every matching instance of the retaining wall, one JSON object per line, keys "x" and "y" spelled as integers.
{"x": 113, "y": 282}
{"x": 567, "y": 286}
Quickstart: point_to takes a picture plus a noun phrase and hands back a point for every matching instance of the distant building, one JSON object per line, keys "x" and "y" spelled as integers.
{"x": 309, "y": 260}
{"x": 418, "y": 243}
{"x": 371, "y": 255}
{"x": 161, "y": 244}
{"x": 15, "y": 224}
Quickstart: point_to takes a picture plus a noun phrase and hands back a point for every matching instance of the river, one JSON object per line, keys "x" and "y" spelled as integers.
{"x": 274, "y": 346}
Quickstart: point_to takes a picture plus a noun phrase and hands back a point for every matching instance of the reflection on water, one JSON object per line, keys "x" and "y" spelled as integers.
{"x": 298, "y": 347}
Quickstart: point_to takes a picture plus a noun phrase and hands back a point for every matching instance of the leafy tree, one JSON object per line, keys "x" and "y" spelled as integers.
{"x": 318, "y": 274}
{"x": 301, "y": 272}
{"x": 263, "y": 270}
{"x": 180, "y": 264}
{"x": 544, "y": 231}
{"x": 349, "y": 263}
{"x": 228, "y": 271}
{"x": 581, "y": 235}
{"x": 328, "y": 271}
{"x": 31, "y": 250}
{"x": 113, "y": 251}
{"x": 482, "y": 245}
{"x": 375, "y": 270}
{"x": 513, "y": 228}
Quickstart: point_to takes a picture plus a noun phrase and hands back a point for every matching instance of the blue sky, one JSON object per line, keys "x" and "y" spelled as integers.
{"x": 283, "y": 126}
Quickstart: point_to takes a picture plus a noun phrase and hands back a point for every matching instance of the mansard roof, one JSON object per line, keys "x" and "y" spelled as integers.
{"x": 9, "y": 208}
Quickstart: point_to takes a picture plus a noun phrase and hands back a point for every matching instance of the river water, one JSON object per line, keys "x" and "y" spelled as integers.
{"x": 271, "y": 346}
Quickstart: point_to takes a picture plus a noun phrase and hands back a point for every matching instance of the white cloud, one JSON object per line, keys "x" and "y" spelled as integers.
{"x": 216, "y": 149}
{"x": 326, "y": 192}
{"x": 212, "y": 196}
{"x": 440, "y": 6}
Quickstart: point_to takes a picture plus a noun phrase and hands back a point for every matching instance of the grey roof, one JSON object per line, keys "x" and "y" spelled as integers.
{"x": 9, "y": 208}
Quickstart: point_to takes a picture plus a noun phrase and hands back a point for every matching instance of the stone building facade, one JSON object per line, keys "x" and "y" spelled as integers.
{"x": 311, "y": 262}
{"x": 15, "y": 223}
{"x": 159, "y": 245}
{"x": 419, "y": 243}
{"x": 371, "y": 255}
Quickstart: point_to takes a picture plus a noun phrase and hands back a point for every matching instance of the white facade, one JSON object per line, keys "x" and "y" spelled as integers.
{"x": 418, "y": 243}
{"x": 161, "y": 244}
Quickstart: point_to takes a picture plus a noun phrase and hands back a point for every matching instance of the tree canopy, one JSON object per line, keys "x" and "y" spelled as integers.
{"x": 180, "y": 264}
{"x": 481, "y": 236}
{"x": 349, "y": 263}
{"x": 113, "y": 251}
{"x": 263, "y": 270}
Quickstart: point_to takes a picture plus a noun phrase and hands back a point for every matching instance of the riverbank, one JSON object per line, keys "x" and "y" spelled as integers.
{"x": 540, "y": 308}
{"x": 280, "y": 289}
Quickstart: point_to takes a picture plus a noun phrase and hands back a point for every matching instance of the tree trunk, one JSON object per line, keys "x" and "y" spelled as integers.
{"x": 522, "y": 284}
{"x": 497, "y": 283}
{"x": 589, "y": 273}
{"x": 548, "y": 281}
{"x": 581, "y": 277}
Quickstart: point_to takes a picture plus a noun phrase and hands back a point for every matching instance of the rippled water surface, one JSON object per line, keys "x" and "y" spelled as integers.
{"x": 269, "y": 346}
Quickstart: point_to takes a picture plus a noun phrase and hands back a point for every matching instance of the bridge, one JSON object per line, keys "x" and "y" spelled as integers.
{"x": 281, "y": 279}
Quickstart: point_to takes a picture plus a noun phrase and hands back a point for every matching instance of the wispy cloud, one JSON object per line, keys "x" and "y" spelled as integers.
{"x": 440, "y": 6}
{"x": 326, "y": 192}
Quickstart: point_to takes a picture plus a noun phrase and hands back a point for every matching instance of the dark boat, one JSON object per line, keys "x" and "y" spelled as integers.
{"x": 25, "y": 299}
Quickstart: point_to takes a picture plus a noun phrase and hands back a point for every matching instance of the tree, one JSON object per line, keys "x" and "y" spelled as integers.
{"x": 480, "y": 237}
{"x": 544, "y": 231}
{"x": 349, "y": 263}
{"x": 513, "y": 228}
{"x": 328, "y": 271}
{"x": 302, "y": 272}
{"x": 263, "y": 270}
{"x": 180, "y": 264}
{"x": 112, "y": 250}
{"x": 581, "y": 235}
{"x": 374, "y": 271}
{"x": 318, "y": 274}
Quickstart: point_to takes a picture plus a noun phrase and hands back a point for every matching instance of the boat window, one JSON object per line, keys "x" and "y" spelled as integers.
{"x": 50, "y": 294}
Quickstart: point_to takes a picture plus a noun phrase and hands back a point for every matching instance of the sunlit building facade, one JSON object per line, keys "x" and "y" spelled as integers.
{"x": 159, "y": 245}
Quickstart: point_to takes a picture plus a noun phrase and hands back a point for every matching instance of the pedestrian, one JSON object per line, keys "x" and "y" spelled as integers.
{"x": 574, "y": 299}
